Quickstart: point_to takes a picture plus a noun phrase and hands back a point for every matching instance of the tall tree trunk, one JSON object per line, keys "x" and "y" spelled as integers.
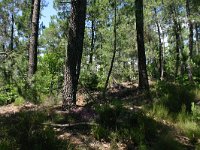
{"x": 197, "y": 38}
{"x": 92, "y": 42}
{"x": 34, "y": 39}
{"x": 177, "y": 31}
{"x": 190, "y": 25}
{"x": 143, "y": 77}
{"x": 190, "y": 41}
{"x": 12, "y": 34}
{"x": 160, "y": 47}
{"x": 74, "y": 52}
{"x": 115, "y": 48}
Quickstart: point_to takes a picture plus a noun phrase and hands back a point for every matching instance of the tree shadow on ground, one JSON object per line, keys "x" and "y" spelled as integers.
{"x": 25, "y": 130}
{"x": 113, "y": 121}
{"x": 132, "y": 127}
{"x": 175, "y": 96}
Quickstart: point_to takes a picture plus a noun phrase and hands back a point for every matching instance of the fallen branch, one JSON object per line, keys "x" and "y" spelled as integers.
{"x": 70, "y": 124}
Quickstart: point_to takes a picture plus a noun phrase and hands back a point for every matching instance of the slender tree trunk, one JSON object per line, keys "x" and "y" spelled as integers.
{"x": 34, "y": 39}
{"x": 115, "y": 49}
{"x": 190, "y": 76}
{"x": 12, "y": 34}
{"x": 92, "y": 42}
{"x": 190, "y": 25}
{"x": 160, "y": 47}
{"x": 176, "y": 30}
{"x": 197, "y": 38}
{"x": 30, "y": 26}
{"x": 74, "y": 52}
{"x": 143, "y": 77}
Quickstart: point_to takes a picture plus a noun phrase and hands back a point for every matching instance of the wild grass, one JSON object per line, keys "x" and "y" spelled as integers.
{"x": 175, "y": 105}
{"x": 26, "y": 131}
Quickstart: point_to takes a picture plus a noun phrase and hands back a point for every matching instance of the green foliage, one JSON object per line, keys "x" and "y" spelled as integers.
{"x": 29, "y": 133}
{"x": 195, "y": 112}
{"x": 159, "y": 111}
{"x": 118, "y": 123}
{"x": 174, "y": 96}
{"x": 19, "y": 101}
{"x": 100, "y": 132}
{"x": 89, "y": 80}
{"x": 166, "y": 142}
{"x": 7, "y": 144}
{"x": 8, "y": 94}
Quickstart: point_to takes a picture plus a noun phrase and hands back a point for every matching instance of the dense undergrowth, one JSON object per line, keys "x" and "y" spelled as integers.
{"x": 177, "y": 105}
{"x": 26, "y": 131}
{"x": 173, "y": 113}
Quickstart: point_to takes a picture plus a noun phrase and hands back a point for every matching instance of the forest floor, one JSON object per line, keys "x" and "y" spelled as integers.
{"x": 77, "y": 125}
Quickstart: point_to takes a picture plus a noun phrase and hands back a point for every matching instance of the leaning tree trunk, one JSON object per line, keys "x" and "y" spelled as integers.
{"x": 74, "y": 51}
{"x": 115, "y": 48}
{"x": 34, "y": 39}
{"x": 143, "y": 77}
{"x": 160, "y": 47}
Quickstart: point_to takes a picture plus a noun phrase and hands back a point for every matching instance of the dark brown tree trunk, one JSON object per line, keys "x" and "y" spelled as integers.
{"x": 114, "y": 50}
{"x": 12, "y": 34}
{"x": 74, "y": 52}
{"x": 34, "y": 39}
{"x": 197, "y": 38}
{"x": 92, "y": 42}
{"x": 190, "y": 25}
{"x": 177, "y": 31}
{"x": 143, "y": 77}
{"x": 160, "y": 47}
{"x": 29, "y": 25}
{"x": 190, "y": 76}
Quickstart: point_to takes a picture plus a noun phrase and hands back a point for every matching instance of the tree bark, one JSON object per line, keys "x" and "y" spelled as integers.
{"x": 115, "y": 48}
{"x": 190, "y": 25}
{"x": 34, "y": 39}
{"x": 92, "y": 42}
{"x": 197, "y": 38}
{"x": 160, "y": 47}
{"x": 143, "y": 77}
{"x": 190, "y": 76}
{"x": 177, "y": 31}
{"x": 12, "y": 34}
{"x": 74, "y": 52}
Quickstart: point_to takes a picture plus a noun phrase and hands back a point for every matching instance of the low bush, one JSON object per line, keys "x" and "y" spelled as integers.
{"x": 8, "y": 94}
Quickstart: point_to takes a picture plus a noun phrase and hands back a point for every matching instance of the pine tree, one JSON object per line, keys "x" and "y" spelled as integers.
{"x": 34, "y": 39}
{"x": 143, "y": 77}
{"x": 74, "y": 51}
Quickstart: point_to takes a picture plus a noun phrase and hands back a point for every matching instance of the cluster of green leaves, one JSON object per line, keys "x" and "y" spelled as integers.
{"x": 7, "y": 95}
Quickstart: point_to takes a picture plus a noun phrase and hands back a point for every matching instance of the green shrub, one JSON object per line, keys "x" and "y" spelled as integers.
{"x": 89, "y": 80}
{"x": 8, "y": 144}
{"x": 19, "y": 101}
{"x": 108, "y": 116}
{"x": 126, "y": 125}
{"x": 195, "y": 112}
{"x": 8, "y": 94}
{"x": 166, "y": 142}
{"x": 100, "y": 132}
{"x": 173, "y": 96}
{"x": 30, "y": 133}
